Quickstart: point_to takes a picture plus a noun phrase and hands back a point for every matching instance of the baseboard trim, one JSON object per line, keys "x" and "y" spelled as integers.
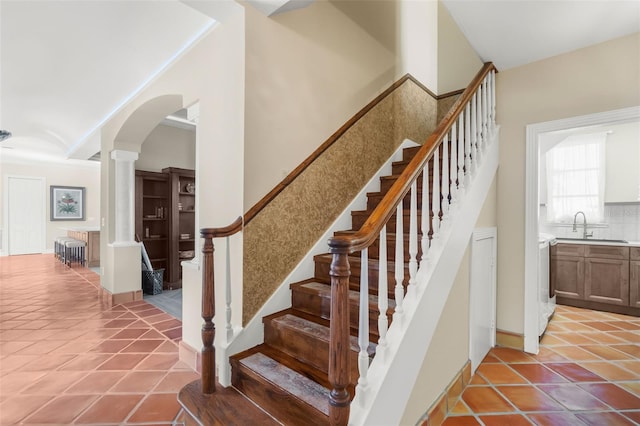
{"x": 190, "y": 356}
{"x": 510, "y": 340}
{"x": 119, "y": 298}
{"x": 436, "y": 414}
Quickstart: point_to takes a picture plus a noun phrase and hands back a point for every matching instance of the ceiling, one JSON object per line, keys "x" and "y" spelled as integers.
{"x": 511, "y": 33}
{"x": 68, "y": 66}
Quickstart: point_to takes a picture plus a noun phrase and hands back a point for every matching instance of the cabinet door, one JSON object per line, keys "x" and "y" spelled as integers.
{"x": 634, "y": 283}
{"x": 567, "y": 276}
{"x": 607, "y": 281}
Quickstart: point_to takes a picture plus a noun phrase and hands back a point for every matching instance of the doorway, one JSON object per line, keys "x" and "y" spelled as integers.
{"x": 532, "y": 202}
{"x": 26, "y": 205}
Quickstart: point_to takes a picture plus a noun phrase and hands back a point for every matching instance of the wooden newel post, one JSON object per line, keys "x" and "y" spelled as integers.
{"x": 339, "y": 344}
{"x": 208, "y": 312}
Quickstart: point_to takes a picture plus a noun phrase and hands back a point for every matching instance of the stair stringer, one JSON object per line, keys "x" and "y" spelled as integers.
{"x": 392, "y": 374}
{"x": 253, "y": 333}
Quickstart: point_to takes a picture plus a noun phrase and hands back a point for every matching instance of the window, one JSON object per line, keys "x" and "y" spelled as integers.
{"x": 575, "y": 178}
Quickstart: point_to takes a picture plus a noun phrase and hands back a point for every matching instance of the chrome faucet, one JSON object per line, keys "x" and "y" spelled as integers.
{"x": 584, "y": 225}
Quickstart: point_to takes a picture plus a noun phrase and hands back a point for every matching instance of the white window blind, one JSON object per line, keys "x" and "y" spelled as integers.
{"x": 575, "y": 178}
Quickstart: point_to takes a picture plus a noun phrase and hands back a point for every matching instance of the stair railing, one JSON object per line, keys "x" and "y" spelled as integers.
{"x": 209, "y": 303}
{"x": 452, "y": 154}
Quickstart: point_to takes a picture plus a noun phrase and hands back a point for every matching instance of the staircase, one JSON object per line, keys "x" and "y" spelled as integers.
{"x": 297, "y": 376}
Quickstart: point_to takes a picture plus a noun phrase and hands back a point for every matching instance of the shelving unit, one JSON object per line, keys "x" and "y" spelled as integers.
{"x": 182, "y": 227}
{"x": 152, "y": 215}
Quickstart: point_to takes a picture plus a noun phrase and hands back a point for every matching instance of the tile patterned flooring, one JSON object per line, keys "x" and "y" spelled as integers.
{"x": 587, "y": 373}
{"x": 66, "y": 358}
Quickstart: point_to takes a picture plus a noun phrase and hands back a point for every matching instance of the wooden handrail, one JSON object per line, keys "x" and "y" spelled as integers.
{"x": 209, "y": 301}
{"x": 224, "y": 231}
{"x": 344, "y": 244}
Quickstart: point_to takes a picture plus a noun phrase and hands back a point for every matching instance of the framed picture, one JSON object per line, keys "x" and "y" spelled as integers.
{"x": 67, "y": 203}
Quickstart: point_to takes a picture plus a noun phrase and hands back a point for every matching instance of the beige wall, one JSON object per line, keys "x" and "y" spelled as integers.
{"x": 458, "y": 63}
{"x": 71, "y": 173}
{"x": 307, "y": 72}
{"x": 449, "y": 350}
{"x": 599, "y": 78}
{"x": 168, "y": 146}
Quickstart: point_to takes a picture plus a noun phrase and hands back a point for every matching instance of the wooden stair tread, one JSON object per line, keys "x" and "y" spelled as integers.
{"x": 312, "y": 326}
{"x": 224, "y": 407}
{"x": 354, "y": 260}
{"x": 305, "y": 369}
{"x": 324, "y": 290}
{"x": 294, "y": 383}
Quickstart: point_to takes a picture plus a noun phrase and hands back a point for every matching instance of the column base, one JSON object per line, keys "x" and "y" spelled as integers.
{"x": 106, "y": 297}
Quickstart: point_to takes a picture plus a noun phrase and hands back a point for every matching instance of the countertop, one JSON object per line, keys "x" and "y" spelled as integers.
{"x": 597, "y": 242}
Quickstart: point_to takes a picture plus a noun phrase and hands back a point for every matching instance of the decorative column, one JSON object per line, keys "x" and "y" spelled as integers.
{"x": 124, "y": 196}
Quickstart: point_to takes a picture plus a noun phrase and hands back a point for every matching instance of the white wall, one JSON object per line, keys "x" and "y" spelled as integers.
{"x": 458, "y": 63}
{"x": 622, "y": 179}
{"x": 168, "y": 146}
{"x": 307, "y": 72}
{"x": 72, "y": 173}
{"x": 418, "y": 41}
{"x": 622, "y": 151}
{"x": 603, "y": 77}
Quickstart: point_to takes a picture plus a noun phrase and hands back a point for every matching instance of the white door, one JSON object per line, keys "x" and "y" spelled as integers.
{"x": 482, "y": 295}
{"x": 26, "y": 215}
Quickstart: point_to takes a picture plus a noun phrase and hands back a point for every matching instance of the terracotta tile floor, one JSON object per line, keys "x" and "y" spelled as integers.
{"x": 587, "y": 373}
{"x": 65, "y": 358}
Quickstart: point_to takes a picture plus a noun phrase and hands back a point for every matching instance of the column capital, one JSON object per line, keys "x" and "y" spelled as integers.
{"x": 122, "y": 155}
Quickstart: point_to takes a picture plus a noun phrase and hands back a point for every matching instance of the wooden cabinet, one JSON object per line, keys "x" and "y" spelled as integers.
{"x": 153, "y": 201}
{"x": 607, "y": 281}
{"x": 606, "y": 277}
{"x": 596, "y": 276}
{"x": 183, "y": 222}
{"x": 567, "y": 276}
{"x": 634, "y": 277}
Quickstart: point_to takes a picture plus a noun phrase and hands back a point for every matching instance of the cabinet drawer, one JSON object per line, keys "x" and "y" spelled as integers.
{"x": 567, "y": 250}
{"x": 607, "y": 252}
{"x": 634, "y": 253}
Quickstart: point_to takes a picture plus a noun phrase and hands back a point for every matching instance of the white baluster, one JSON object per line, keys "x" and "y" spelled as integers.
{"x": 485, "y": 113}
{"x": 435, "y": 199}
{"x": 227, "y": 296}
{"x": 453, "y": 170}
{"x": 479, "y": 136}
{"x": 413, "y": 237}
{"x": 363, "y": 323}
{"x": 383, "y": 290}
{"x": 461, "y": 158}
{"x": 468, "y": 147}
{"x": 424, "y": 242}
{"x": 399, "y": 262}
{"x": 493, "y": 100}
{"x": 445, "y": 180}
{"x": 474, "y": 134}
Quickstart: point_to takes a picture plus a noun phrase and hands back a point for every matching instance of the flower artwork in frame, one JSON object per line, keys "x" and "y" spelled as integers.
{"x": 67, "y": 203}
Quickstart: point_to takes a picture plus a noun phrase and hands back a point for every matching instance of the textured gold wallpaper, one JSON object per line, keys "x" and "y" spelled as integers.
{"x": 283, "y": 232}
{"x": 445, "y": 104}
